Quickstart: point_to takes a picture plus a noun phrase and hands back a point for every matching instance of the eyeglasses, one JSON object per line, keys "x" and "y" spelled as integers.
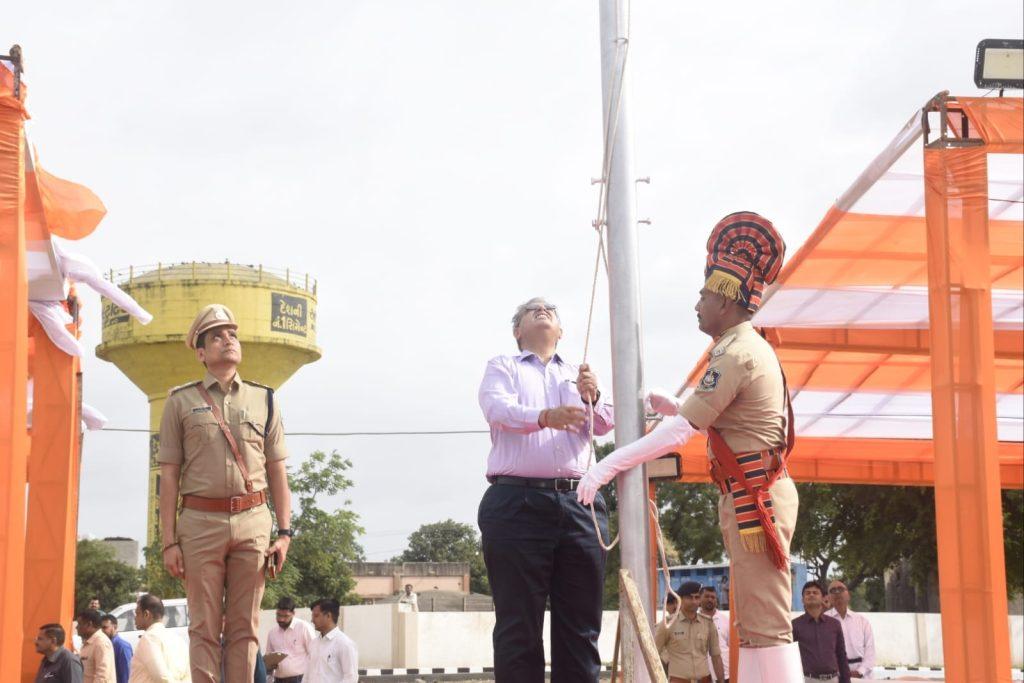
{"x": 538, "y": 307}
{"x": 837, "y": 590}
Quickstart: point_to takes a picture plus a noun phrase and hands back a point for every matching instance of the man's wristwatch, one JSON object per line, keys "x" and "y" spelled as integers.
{"x": 286, "y": 532}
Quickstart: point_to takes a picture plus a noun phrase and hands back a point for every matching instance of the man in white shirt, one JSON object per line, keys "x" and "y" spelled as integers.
{"x": 410, "y": 598}
{"x": 860, "y": 641}
{"x": 709, "y": 608}
{"x": 160, "y": 657}
{"x": 333, "y": 657}
{"x": 292, "y": 637}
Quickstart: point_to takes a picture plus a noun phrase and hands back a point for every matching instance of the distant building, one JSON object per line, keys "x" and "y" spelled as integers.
{"x": 378, "y": 580}
{"x": 125, "y": 549}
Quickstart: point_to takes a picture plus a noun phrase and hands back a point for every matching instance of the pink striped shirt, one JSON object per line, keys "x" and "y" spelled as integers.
{"x": 514, "y": 391}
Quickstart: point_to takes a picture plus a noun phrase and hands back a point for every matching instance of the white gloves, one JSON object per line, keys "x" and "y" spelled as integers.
{"x": 671, "y": 433}
{"x": 662, "y": 402}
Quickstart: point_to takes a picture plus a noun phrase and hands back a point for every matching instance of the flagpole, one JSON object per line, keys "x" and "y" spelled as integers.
{"x": 624, "y": 299}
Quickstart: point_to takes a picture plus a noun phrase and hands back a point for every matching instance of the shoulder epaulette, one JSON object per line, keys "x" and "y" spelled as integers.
{"x": 183, "y": 386}
{"x": 721, "y": 346}
{"x": 270, "y": 398}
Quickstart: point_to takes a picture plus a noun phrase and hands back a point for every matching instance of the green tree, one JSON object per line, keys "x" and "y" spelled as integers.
{"x": 449, "y": 541}
{"x": 98, "y": 572}
{"x": 689, "y": 521}
{"x": 1013, "y": 539}
{"x": 325, "y": 542}
{"x": 839, "y": 528}
{"x": 155, "y": 577}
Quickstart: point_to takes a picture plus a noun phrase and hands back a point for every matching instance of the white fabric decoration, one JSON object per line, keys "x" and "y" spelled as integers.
{"x": 54, "y": 319}
{"x": 93, "y": 419}
{"x": 80, "y": 268}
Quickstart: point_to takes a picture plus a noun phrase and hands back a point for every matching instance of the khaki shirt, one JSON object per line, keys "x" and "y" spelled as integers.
{"x": 97, "y": 657}
{"x": 688, "y": 644}
{"x": 742, "y": 393}
{"x": 190, "y": 437}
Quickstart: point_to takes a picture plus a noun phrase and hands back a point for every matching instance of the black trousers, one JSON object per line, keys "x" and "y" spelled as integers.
{"x": 539, "y": 544}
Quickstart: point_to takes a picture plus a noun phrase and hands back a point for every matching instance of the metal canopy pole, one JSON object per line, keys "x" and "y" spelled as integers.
{"x": 624, "y": 297}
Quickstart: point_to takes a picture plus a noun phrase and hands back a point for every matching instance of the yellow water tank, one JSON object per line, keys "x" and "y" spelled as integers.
{"x": 276, "y": 315}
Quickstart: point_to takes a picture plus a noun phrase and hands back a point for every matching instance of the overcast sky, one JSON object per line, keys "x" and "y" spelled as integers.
{"x": 430, "y": 165}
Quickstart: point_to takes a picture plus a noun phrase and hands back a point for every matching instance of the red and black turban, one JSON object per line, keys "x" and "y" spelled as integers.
{"x": 745, "y": 253}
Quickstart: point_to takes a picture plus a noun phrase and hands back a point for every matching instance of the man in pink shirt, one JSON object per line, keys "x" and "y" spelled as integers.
{"x": 538, "y": 541}
{"x": 291, "y": 637}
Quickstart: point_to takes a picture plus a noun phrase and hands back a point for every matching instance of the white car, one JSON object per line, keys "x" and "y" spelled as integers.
{"x": 176, "y": 620}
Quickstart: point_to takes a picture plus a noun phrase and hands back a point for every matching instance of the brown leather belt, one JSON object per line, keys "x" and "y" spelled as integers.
{"x": 234, "y": 504}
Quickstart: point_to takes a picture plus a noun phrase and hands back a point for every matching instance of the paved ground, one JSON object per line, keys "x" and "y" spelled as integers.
{"x": 900, "y": 674}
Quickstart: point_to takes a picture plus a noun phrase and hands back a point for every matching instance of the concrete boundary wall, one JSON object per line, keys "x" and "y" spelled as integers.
{"x": 390, "y": 636}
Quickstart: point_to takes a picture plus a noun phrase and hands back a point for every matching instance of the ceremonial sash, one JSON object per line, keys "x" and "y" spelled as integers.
{"x": 749, "y": 484}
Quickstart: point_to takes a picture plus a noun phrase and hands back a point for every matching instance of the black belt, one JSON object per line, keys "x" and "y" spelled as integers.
{"x": 855, "y": 660}
{"x": 559, "y": 484}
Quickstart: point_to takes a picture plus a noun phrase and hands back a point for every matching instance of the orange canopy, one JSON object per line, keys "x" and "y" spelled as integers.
{"x": 849, "y": 313}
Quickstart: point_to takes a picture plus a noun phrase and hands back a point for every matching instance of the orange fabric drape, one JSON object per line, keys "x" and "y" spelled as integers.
{"x": 13, "y": 377}
{"x": 72, "y": 211}
{"x": 999, "y": 121}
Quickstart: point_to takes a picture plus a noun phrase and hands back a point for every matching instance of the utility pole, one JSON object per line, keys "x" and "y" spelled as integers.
{"x": 624, "y": 298}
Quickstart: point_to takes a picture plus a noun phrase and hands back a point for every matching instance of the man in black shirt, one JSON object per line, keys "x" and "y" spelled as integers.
{"x": 822, "y": 648}
{"x": 59, "y": 665}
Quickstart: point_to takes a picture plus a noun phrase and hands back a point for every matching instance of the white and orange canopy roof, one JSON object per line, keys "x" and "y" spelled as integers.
{"x": 849, "y": 314}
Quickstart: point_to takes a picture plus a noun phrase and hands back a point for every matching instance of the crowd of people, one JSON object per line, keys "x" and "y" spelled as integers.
{"x": 296, "y": 650}
{"x": 836, "y": 643}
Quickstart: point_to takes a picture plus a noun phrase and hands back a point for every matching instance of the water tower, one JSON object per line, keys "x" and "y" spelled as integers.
{"x": 276, "y": 315}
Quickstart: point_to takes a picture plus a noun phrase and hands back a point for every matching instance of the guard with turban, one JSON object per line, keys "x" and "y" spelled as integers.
{"x": 742, "y": 404}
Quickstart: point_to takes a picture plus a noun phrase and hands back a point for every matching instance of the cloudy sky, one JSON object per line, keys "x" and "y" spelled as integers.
{"x": 430, "y": 165}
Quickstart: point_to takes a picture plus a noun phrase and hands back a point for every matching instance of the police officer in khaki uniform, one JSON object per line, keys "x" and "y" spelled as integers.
{"x": 689, "y": 640}
{"x": 222, "y": 448}
{"x": 743, "y": 405}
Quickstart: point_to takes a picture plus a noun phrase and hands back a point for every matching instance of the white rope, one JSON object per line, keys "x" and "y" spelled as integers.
{"x": 664, "y": 569}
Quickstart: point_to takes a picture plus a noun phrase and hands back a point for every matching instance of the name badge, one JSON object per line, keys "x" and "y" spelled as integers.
{"x": 202, "y": 409}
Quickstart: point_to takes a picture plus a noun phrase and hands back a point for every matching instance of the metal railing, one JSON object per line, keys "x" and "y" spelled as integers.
{"x": 200, "y": 270}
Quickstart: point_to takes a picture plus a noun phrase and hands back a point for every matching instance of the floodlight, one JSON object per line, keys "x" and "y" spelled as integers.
{"x": 999, "y": 64}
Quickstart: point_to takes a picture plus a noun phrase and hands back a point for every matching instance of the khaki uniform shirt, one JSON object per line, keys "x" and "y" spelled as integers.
{"x": 191, "y": 437}
{"x": 742, "y": 393}
{"x": 688, "y": 644}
